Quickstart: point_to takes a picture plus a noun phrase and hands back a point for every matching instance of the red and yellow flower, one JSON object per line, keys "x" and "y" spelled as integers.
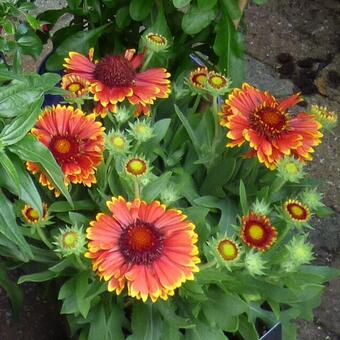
{"x": 78, "y": 87}
{"x": 198, "y": 78}
{"x": 114, "y": 78}
{"x": 297, "y": 211}
{"x": 76, "y": 141}
{"x": 257, "y": 232}
{"x": 258, "y": 118}
{"x": 146, "y": 247}
{"x": 31, "y": 216}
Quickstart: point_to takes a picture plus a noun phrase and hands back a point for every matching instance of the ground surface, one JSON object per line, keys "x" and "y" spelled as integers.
{"x": 280, "y": 38}
{"x": 297, "y": 41}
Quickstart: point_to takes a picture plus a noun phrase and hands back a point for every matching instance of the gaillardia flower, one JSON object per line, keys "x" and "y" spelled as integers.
{"x": 156, "y": 42}
{"x": 258, "y": 118}
{"x": 254, "y": 263}
{"x": 297, "y": 211}
{"x": 31, "y": 216}
{"x": 328, "y": 119}
{"x": 136, "y": 166}
{"x": 257, "y": 232}
{"x": 313, "y": 198}
{"x": 114, "y": 78}
{"x": 290, "y": 169}
{"x": 78, "y": 87}
{"x": 71, "y": 240}
{"x": 217, "y": 84}
{"x": 117, "y": 143}
{"x": 76, "y": 141}
{"x": 146, "y": 247}
{"x": 197, "y": 79}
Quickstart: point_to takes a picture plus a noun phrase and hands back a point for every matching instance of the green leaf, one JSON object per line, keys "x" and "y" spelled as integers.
{"x": 247, "y": 329}
{"x": 32, "y": 150}
{"x": 204, "y": 332}
{"x": 19, "y": 127}
{"x": 152, "y": 190}
{"x": 196, "y": 20}
{"x": 123, "y": 17}
{"x": 243, "y": 198}
{"x": 188, "y": 128}
{"x": 10, "y": 169}
{"x": 9, "y": 227}
{"x": 139, "y": 10}
{"x": 63, "y": 206}
{"x": 232, "y": 8}
{"x": 206, "y": 4}
{"x": 98, "y": 326}
{"x": 114, "y": 323}
{"x": 181, "y": 3}
{"x": 78, "y": 42}
{"x": 13, "y": 291}
{"x": 161, "y": 127}
{"x": 38, "y": 277}
{"x": 27, "y": 190}
{"x": 145, "y": 322}
{"x": 81, "y": 288}
{"x": 30, "y": 44}
{"x": 33, "y": 22}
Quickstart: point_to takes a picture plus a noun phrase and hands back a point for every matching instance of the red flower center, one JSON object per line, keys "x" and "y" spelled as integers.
{"x": 141, "y": 243}
{"x": 115, "y": 71}
{"x": 32, "y": 215}
{"x": 269, "y": 121}
{"x": 64, "y": 148}
{"x": 297, "y": 211}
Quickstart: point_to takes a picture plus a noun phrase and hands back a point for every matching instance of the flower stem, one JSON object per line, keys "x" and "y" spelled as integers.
{"x": 136, "y": 187}
{"x": 108, "y": 162}
{"x": 147, "y": 61}
{"x": 207, "y": 265}
{"x": 44, "y": 238}
{"x": 217, "y": 133}
{"x": 80, "y": 262}
{"x": 196, "y": 103}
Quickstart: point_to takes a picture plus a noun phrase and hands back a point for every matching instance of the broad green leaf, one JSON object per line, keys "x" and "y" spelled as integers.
{"x": 232, "y": 8}
{"x": 139, "y": 10}
{"x": 19, "y": 127}
{"x": 181, "y": 3}
{"x": 38, "y": 277}
{"x": 115, "y": 323}
{"x": 247, "y": 329}
{"x": 10, "y": 169}
{"x": 155, "y": 187}
{"x": 243, "y": 198}
{"x": 81, "y": 288}
{"x": 78, "y": 42}
{"x": 9, "y": 227}
{"x": 196, "y": 20}
{"x": 98, "y": 326}
{"x": 145, "y": 322}
{"x": 30, "y": 149}
{"x": 123, "y": 17}
{"x": 30, "y": 44}
{"x": 206, "y": 4}
{"x": 161, "y": 127}
{"x": 204, "y": 332}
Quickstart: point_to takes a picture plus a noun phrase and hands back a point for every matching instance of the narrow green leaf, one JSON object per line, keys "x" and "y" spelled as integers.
{"x": 243, "y": 198}
{"x": 37, "y": 277}
{"x": 155, "y": 187}
{"x": 10, "y": 169}
{"x": 181, "y": 3}
{"x": 13, "y": 291}
{"x": 30, "y": 149}
{"x": 9, "y": 227}
{"x": 63, "y": 206}
{"x": 188, "y": 128}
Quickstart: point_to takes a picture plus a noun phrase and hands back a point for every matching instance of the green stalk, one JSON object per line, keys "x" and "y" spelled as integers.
{"x": 44, "y": 238}
{"x": 147, "y": 61}
{"x": 136, "y": 188}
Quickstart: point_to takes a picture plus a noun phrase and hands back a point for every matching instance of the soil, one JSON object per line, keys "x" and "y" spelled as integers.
{"x": 291, "y": 46}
